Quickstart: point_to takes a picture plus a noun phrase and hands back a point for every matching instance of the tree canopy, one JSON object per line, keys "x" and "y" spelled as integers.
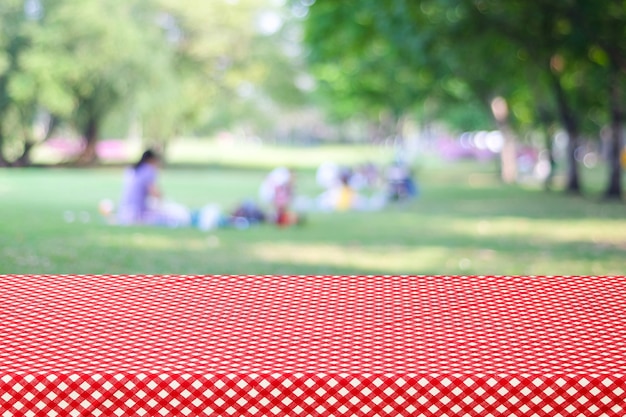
{"x": 544, "y": 62}
{"x": 174, "y": 67}
{"x": 170, "y": 67}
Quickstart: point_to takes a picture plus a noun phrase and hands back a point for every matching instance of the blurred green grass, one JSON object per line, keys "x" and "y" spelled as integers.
{"x": 465, "y": 222}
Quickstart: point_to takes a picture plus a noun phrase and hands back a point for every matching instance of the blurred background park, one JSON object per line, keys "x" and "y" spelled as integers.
{"x": 507, "y": 118}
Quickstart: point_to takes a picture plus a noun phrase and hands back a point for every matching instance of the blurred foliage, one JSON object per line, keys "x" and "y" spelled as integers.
{"x": 552, "y": 63}
{"x": 161, "y": 67}
{"x": 158, "y": 69}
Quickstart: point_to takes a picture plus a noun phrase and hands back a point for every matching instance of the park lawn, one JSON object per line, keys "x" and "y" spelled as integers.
{"x": 212, "y": 152}
{"x": 465, "y": 222}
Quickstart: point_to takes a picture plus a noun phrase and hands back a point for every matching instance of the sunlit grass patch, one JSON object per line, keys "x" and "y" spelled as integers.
{"x": 379, "y": 259}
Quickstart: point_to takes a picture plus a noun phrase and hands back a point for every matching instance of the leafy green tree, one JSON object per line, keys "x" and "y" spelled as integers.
{"x": 579, "y": 45}
{"x": 539, "y": 61}
{"x": 105, "y": 48}
{"x": 13, "y": 42}
{"x": 175, "y": 67}
{"x": 226, "y": 66}
{"x": 396, "y": 55}
{"x": 601, "y": 35}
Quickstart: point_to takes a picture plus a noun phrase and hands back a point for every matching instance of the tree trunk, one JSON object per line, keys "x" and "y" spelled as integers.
{"x": 547, "y": 120}
{"x": 508, "y": 155}
{"x": 24, "y": 158}
{"x": 573, "y": 178}
{"x": 614, "y": 187}
{"x": 30, "y": 142}
{"x": 89, "y": 155}
{"x": 571, "y": 127}
{"x": 549, "y": 181}
{"x": 3, "y": 161}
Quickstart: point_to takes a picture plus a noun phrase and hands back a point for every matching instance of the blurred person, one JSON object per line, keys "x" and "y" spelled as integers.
{"x": 358, "y": 180}
{"x": 371, "y": 174}
{"x": 278, "y": 191}
{"x": 139, "y": 185}
{"x": 142, "y": 200}
{"x": 346, "y": 194}
{"x": 247, "y": 214}
{"x": 401, "y": 184}
{"x": 282, "y": 199}
{"x": 274, "y": 179}
{"x": 328, "y": 175}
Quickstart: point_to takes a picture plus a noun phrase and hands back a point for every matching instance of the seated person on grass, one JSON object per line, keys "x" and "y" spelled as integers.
{"x": 142, "y": 202}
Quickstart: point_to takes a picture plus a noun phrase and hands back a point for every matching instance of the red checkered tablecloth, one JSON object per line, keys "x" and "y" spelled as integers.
{"x": 312, "y": 346}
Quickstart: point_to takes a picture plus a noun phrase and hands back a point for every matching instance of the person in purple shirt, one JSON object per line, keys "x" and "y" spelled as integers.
{"x": 140, "y": 185}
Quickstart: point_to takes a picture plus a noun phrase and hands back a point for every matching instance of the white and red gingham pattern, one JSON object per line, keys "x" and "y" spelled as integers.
{"x": 312, "y": 346}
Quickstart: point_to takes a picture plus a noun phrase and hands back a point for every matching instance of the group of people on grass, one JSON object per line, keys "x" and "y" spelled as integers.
{"x": 363, "y": 188}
